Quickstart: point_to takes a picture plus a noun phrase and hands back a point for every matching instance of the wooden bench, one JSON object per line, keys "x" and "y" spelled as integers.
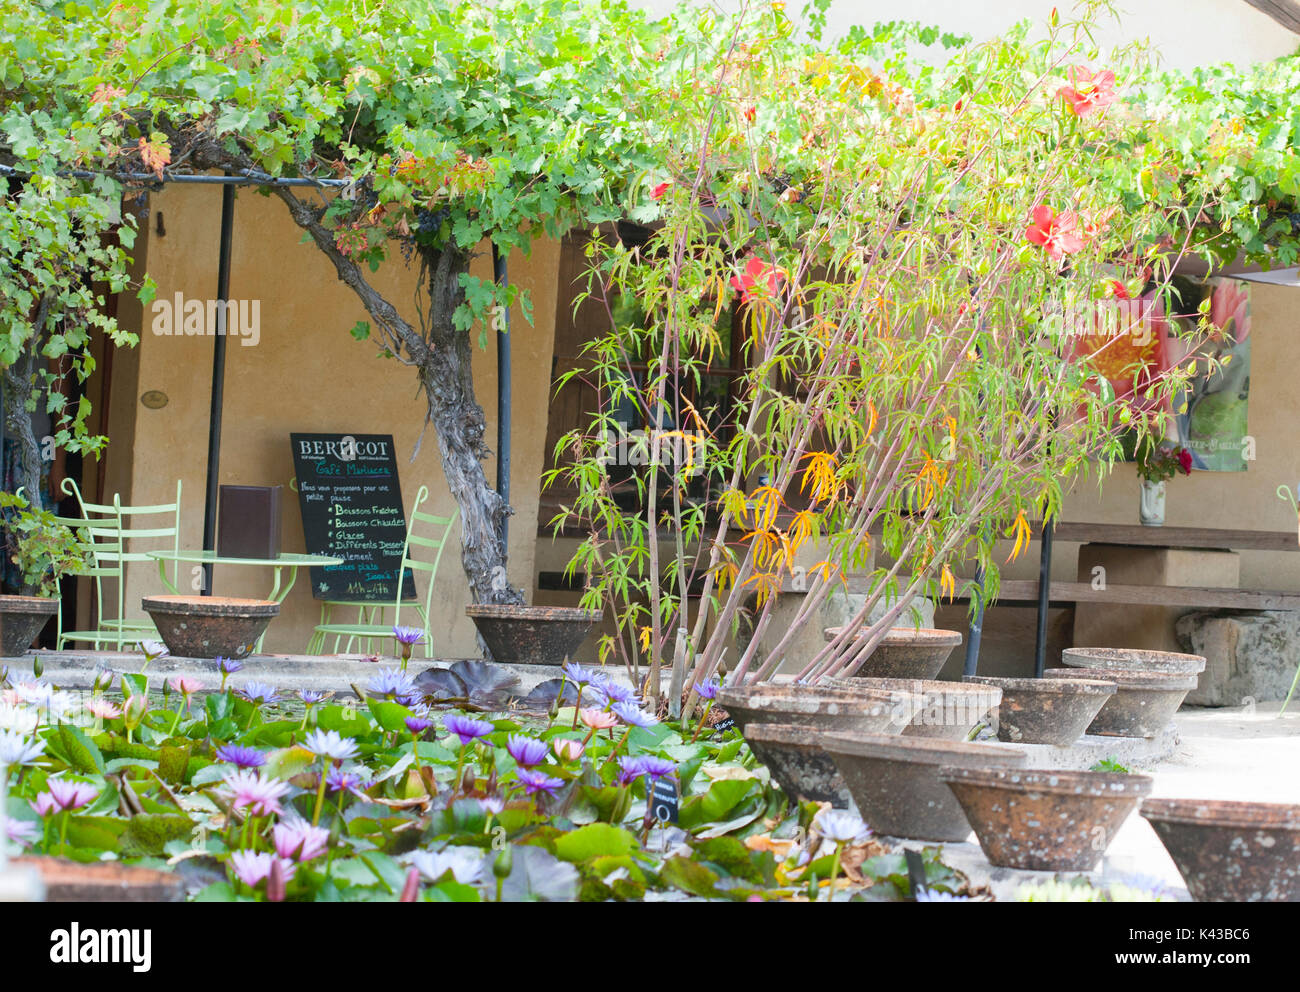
{"x": 1044, "y": 593}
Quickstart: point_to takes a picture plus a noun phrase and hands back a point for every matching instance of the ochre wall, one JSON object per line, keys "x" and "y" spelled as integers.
{"x": 308, "y": 374}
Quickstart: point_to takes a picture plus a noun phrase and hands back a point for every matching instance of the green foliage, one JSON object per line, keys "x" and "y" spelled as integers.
{"x": 44, "y": 549}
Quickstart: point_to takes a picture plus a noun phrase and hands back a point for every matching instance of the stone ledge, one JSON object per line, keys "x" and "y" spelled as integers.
{"x": 74, "y": 669}
{"x": 1131, "y": 752}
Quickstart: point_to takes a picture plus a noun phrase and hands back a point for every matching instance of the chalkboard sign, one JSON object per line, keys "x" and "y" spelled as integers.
{"x": 351, "y": 501}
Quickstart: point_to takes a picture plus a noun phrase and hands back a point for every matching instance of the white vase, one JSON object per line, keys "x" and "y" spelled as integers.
{"x": 1151, "y": 503}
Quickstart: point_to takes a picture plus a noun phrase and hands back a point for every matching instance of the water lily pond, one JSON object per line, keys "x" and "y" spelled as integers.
{"x": 437, "y": 786}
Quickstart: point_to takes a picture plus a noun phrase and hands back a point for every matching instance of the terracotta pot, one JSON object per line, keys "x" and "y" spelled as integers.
{"x": 895, "y": 781}
{"x": 944, "y": 710}
{"x": 21, "y": 619}
{"x": 905, "y": 652}
{"x": 819, "y": 708}
{"x": 210, "y": 626}
{"x": 1143, "y": 704}
{"x": 73, "y": 881}
{"x": 532, "y": 635}
{"x": 1231, "y": 851}
{"x": 1046, "y": 711}
{"x": 1045, "y": 820}
{"x": 799, "y": 763}
{"x": 1133, "y": 660}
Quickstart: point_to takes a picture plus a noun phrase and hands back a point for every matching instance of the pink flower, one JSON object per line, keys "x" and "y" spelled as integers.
{"x": 1230, "y": 309}
{"x": 185, "y": 685}
{"x": 70, "y": 795}
{"x": 1057, "y": 233}
{"x": 598, "y": 719}
{"x": 259, "y": 795}
{"x": 759, "y": 279}
{"x": 44, "y": 804}
{"x": 1089, "y": 92}
{"x": 253, "y": 866}
{"x": 299, "y": 840}
{"x": 658, "y": 192}
{"x": 567, "y": 750}
{"x": 104, "y": 709}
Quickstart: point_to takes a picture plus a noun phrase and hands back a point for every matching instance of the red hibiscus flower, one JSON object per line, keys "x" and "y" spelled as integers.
{"x": 658, "y": 192}
{"x": 759, "y": 279}
{"x": 1057, "y": 233}
{"x": 1089, "y": 92}
{"x": 1185, "y": 461}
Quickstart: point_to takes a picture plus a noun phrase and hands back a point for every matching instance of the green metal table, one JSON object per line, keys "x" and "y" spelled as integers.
{"x": 279, "y": 589}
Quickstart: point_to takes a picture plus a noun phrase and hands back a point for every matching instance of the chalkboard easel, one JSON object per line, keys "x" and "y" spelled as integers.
{"x": 351, "y": 501}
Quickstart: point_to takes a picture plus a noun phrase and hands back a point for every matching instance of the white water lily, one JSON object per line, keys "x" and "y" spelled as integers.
{"x": 466, "y": 864}
{"x": 19, "y": 749}
{"x": 17, "y": 717}
{"x": 841, "y": 827}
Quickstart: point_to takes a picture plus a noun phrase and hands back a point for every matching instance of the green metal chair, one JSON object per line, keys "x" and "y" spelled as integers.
{"x": 110, "y": 527}
{"x": 368, "y": 628}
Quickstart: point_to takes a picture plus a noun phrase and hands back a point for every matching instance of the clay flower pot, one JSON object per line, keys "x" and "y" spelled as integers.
{"x": 532, "y": 635}
{"x": 1046, "y": 711}
{"x": 1143, "y": 704}
{"x": 818, "y": 708}
{"x": 1133, "y": 660}
{"x": 798, "y": 761}
{"x": 905, "y": 652}
{"x": 944, "y": 710}
{"x": 1231, "y": 851}
{"x": 21, "y": 619}
{"x": 895, "y": 781}
{"x": 74, "y": 881}
{"x": 1045, "y": 820}
{"x": 210, "y": 626}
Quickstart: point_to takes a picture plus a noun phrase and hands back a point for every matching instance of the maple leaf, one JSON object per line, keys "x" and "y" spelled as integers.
{"x": 155, "y": 153}
{"x": 105, "y": 93}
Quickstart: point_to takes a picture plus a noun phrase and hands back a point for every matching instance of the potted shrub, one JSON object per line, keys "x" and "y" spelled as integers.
{"x": 44, "y": 551}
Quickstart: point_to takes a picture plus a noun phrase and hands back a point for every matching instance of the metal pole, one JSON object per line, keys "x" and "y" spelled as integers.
{"x": 976, "y": 629}
{"x": 218, "y": 380}
{"x": 502, "y": 276}
{"x": 1044, "y": 589}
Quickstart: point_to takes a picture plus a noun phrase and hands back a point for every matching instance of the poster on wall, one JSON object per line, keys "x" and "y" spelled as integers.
{"x": 1209, "y": 417}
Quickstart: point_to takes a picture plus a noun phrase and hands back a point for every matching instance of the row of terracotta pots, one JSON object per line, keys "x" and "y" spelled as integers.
{"x": 858, "y": 740}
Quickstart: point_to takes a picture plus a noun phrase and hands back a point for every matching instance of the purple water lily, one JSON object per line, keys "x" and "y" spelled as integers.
{"x": 240, "y": 756}
{"x": 526, "y": 751}
{"x": 656, "y": 767}
{"x": 346, "y": 780}
{"x": 633, "y": 715}
{"x": 708, "y": 689}
{"x": 535, "y": 782}
{"x": 394, "y": 684}
{"x": 258, "y": 693}
{"x": 466, "y": 728}
{"x": 418, "y": 724}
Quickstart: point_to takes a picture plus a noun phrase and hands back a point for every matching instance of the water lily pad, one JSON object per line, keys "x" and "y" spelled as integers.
{"x": 441, "y": 683}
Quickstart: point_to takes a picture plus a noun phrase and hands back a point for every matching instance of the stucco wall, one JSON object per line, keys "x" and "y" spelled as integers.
{"x": 307, "y": 374}
{"x": 1185, "y": 33}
